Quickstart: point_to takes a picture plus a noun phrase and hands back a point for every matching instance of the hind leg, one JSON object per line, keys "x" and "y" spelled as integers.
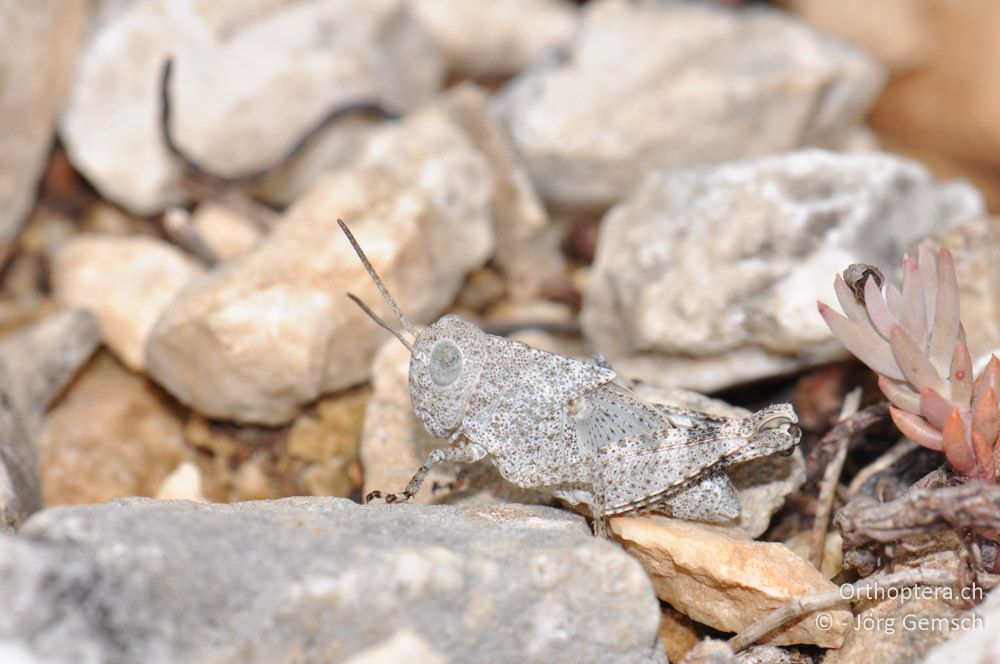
{"x": 463, "y": 451}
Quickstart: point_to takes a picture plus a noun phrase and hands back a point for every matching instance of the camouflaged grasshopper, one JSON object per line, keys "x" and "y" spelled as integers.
{"x": 566, "y": 427}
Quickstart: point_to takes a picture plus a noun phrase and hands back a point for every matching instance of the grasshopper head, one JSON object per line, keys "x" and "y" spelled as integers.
{"x": 773, "y": 430}
{"x": 445, "y": 364}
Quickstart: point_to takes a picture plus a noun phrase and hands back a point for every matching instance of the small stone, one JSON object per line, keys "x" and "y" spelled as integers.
{"x": 677, "y": 633}
{"x": 251, "y": 482}
{"x": 224, "y": 230}
{"x": 404, "y": 646}
{"x": 249, "y": 80}
{"x": 113, "y": 434}
{"x": 182, "y": 484}
{"x": 324, "y": 578}
{"x": 833, "y": 551}
{"x": 274, "y": 329}
{"x": 495, "y": 38}
{"x": 331, "y": 477}
{"x": 38, "y": 48}
{"x": 666, "y": 306}
{"x": 725, "y": 580}
{"x": 664, "y": 85}
{"x": 126, "y": 281}
{"x": 527, "y": 245}
{"x": 36, "y": 363}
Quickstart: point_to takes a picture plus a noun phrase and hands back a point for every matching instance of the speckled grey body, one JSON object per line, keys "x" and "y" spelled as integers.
{"x": 564, "y": 426}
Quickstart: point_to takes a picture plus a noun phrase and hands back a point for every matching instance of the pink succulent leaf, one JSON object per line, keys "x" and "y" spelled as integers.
{"x": 983, "y": 451}
{"x": 913, "y": 316}
{"x": 855, "y": 311}
{"x": 986, "y": 418}
{"x": 899, "y": 395}
{"x": 956, "y": 448}
{"x": 913, "y": 363}
{"x": 878, "y": 312}
{"x": 929, "y": 278}
{"x": 917, "y": 429}
{"x": 871, "y": 349}
{"x": 989, "y": 379}
{"x": 947, "y": 324}
{"x": 893, "y": 300}
{"x": 961, "y": 376}
{"x": 934, "y": 407}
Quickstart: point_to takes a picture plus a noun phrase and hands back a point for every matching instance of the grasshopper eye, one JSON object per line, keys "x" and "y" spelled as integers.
{"x": 446, "y": 363}
{"x": 777, "y": 422}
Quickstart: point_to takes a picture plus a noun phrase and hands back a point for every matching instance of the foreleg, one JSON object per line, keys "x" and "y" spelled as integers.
{"x": 462, "y": 451}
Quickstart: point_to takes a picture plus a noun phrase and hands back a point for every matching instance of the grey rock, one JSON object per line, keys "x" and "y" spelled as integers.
{"x": 272, "y": 329}
{"x": 250, "y": 78}
{"x": 38, "y": 46}
{"x": 672, "y": 84}
{"x": 708, "y": 277}
{"x": 35, "y": 365}
{"x": 320, "y": 580}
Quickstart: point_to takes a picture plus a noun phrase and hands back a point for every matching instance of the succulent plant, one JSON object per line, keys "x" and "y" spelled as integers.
{"x": 915, "y": 341}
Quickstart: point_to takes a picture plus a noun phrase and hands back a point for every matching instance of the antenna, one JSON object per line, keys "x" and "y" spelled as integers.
{"x": 371, "y": 314}
{"x": 381, "y": 287}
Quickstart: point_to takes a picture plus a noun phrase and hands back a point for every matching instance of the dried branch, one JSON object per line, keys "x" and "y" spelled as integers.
{"x": 845, "y": 429}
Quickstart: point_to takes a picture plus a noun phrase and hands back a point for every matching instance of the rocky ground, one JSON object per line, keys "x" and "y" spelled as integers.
{"x": 191, "y": 409}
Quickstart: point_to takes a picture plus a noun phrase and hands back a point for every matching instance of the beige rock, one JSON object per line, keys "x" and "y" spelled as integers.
{"x": 126, "y": 281}
{"x": 725, "y": 580}
{"x": 182, "y": 484}
{"x": 224, "y": 230}
{"x": 898, "y": 32}
{"x": 979, "y": 638}
{"x": 656, "y": 85}
{"x": 493, "y": 38}
{"x": 112, "y": 435}
{"x": 250, "y": 79}
{"x": 273, "y": 329}
{"x": 708, "y": 277}
{"x": 677, "y": 633}
{"x": 833, "y": 551}
{"x": 38, "y": 46}
{"x": 527, "y": 244}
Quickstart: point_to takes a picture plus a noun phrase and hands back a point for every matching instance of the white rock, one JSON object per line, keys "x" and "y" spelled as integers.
{"x": 495, "y": 37}
{"x": 653, "y": 85}
{"x": 38, "y": 45}
{"x": 125, "y": 281}
{"x": 250, "y": 79}
{"x": 225, "y": 231}
{"x": 182, "y": 484}
{"x": 709, "y": 277}
{"x": 273, "y": 329}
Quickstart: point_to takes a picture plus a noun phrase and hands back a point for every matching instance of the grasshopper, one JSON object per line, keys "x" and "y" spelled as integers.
{"x": 566, "y": 427}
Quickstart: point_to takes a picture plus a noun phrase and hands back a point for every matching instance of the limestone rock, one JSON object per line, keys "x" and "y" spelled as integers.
{"x": 36, "y": 363}
{"x": 113, "y": 434}
{"x": 184, "y": 483}
{"x": 38, "y": 46}
{"x": 762, "y": 484}
{"x": 273, "y": 329}
{"x": 671, "y": 84}
{"x": 126, "y": 282}
{"x": 708, "y": 277}
{"x": 725, "y": 580}
{"x": 224, "y": 230}
{"x": 250, "y": 79}
{"x": 527, "y": 244}
{"x": 325, "y": 579}
{"x": 492, "y": 38}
